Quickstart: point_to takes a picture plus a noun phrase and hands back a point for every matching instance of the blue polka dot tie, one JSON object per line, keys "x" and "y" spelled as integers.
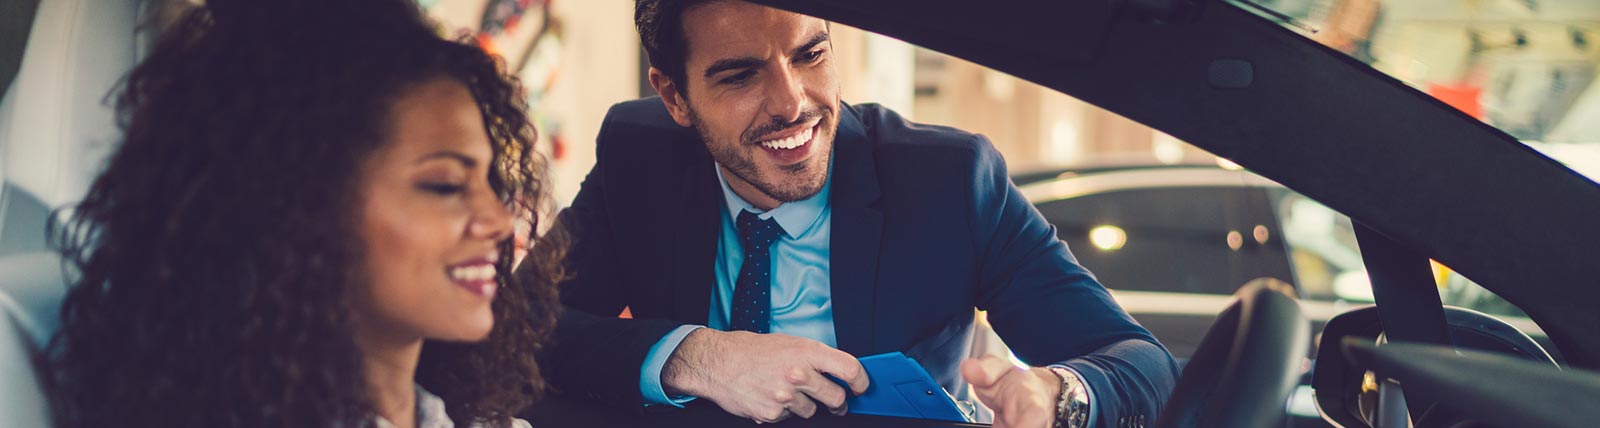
{"x": 752, "y": 293}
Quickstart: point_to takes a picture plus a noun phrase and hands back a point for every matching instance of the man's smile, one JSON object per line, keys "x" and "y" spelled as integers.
{"x": 793, "y": 148}
{"x": 795, "y": 139}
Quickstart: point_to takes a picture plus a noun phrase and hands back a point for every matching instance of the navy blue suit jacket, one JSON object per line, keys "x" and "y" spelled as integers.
{"x": 926, "y": 227}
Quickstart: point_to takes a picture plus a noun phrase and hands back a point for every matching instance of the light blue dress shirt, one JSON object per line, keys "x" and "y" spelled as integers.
{"x": 801, "y": 295}
{"x": 801, "y": 291}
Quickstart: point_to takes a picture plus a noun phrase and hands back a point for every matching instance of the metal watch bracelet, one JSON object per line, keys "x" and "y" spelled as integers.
{"x": 1072, "y": 405}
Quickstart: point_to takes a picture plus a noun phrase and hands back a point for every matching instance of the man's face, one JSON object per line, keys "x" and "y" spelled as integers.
{"x": 761, "y": 90}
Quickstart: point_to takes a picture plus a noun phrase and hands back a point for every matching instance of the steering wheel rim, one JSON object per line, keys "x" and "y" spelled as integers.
{"x": 1242, "y": 373}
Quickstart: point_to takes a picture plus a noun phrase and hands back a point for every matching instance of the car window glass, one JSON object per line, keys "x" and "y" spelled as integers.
{"x": 1158, "y": 239}
{"x": 1527, "y": 67}
{"x": 1328, "y": 267}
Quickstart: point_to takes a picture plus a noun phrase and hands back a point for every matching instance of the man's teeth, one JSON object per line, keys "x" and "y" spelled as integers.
{"x": 791, "y": 142}
{"x": 472, "y": 273}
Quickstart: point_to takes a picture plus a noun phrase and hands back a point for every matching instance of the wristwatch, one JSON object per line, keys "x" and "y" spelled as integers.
{"x": 1072, "y": 406}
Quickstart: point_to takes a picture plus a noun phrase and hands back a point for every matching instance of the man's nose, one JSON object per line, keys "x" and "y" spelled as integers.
{"x": 786, "y": 96}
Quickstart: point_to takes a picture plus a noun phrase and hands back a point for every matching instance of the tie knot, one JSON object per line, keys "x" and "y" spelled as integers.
{"x": 757, "y": 233}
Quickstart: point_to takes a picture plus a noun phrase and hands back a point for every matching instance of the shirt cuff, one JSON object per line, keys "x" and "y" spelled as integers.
{"x": 1088, "y": 391}
{"x": 655, "y": 361}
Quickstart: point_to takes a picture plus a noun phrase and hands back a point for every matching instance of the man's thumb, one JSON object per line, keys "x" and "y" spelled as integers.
{"x": 985, "y": 371}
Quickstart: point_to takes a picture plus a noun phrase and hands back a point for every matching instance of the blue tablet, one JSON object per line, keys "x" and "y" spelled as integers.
{"x": 902, "y": 388}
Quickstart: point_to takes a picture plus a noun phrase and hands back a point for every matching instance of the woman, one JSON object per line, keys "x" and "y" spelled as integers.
{"x": 307, "y": 224}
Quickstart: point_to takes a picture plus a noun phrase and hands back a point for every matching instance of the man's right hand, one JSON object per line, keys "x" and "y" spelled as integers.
{"x": 763, "y": 377}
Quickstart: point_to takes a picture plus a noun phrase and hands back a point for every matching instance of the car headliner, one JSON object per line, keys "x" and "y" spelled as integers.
{"x": 1390, "y": 157}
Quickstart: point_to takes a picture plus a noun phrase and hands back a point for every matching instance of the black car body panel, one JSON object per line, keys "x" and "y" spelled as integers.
{"x": 1394, "y": 159}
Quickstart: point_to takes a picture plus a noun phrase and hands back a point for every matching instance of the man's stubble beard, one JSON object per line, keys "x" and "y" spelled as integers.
{"x": 736, "y": 158}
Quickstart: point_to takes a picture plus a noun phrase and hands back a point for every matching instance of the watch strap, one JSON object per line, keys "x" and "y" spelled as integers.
{"x": 1072, "y": 404}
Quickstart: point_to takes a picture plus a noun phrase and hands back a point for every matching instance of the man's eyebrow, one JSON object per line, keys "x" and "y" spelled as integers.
{"x": 466, "y": 161}
{"x": 809, "y": 44}
{"x": 726, "y": 64}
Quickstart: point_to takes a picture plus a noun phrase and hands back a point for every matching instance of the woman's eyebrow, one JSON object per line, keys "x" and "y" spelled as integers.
{"x": 466, "y": 161}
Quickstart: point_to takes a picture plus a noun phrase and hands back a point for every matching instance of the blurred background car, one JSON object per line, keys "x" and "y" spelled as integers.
{"x": 1156, "y": 232}
{"x": 1173, "y": 242}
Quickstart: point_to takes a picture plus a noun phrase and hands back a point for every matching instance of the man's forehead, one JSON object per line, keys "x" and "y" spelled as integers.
{"x": 723, "y": 29}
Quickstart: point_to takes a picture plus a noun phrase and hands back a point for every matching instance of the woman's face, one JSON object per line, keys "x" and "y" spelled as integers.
{"x": 430, "y": 222}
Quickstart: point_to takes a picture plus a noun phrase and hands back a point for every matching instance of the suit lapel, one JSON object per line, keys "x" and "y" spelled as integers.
{"x": 697, "y": 225}
{"x": 856, "y": 236}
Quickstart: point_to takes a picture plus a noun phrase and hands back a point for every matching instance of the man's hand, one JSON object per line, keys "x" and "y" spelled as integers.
{"x": 764, "y": 377}
{"x": 1021, "y": 398}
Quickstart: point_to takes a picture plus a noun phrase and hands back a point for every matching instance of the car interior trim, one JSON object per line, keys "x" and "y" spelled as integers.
{"x": 1088, "y": 184}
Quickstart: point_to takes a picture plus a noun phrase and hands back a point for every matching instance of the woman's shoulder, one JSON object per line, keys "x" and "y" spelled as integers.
{"x": 431, "y": 413}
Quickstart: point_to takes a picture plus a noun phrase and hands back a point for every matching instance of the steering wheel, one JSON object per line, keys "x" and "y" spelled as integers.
{"x": 1247, "y": 364}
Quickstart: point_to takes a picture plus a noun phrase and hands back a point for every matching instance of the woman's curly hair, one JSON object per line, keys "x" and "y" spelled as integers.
{"x": 217, "y": 256}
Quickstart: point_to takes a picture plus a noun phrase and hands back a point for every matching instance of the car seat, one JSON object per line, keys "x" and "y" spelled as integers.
{"x": 55, "y": 129}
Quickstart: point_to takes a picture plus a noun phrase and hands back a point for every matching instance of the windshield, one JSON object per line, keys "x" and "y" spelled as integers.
{"x": 1527, "y": 67}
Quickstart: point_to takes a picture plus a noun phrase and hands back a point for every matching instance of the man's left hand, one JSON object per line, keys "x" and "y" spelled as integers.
{"x": 1020, "y": 397}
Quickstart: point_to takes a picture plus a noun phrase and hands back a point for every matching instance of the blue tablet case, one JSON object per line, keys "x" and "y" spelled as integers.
{"x": 902, "y": 388}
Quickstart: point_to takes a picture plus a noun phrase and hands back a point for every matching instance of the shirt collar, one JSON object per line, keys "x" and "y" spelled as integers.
{"x": 430, "y": 412}
{"x": 796, "y": 218}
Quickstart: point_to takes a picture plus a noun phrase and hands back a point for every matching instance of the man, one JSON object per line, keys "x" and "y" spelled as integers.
{"x": 805, "y": 233}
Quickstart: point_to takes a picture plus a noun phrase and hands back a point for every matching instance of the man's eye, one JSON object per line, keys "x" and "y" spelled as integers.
{"x": 444, "y": 189}
{"x": 813, "y": 56}
{"x": 737, "y": 79}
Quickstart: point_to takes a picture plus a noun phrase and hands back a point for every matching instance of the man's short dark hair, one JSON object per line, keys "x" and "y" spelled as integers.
{"x": 660, "y": 25}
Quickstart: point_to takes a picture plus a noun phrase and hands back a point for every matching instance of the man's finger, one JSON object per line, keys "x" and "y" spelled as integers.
{"x": 973, "y": 372}
{"x": 800, "y": 405}
{"x": 772, "y": 419}
{"x": 774, "y": 410}
{"x": 986, "y": 371}
{"x": 813, "y": 384}
{"x": 843, "y": 366}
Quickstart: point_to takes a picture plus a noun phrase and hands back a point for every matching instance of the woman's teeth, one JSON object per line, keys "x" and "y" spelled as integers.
{"x": 791, "y": 142}
{"x": 472, "y": 273}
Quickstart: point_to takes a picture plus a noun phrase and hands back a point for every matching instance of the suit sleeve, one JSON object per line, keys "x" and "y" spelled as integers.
{"x": 594, "y": 354}
{"x": 1051, "y": 310}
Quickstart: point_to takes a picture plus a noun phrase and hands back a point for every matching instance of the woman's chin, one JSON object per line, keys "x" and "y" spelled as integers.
{"x": 475, "y": 328}
{"x": 481, "y": 331}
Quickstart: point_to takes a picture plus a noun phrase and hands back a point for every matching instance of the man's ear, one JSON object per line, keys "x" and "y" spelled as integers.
{"x": 672, "y": 96}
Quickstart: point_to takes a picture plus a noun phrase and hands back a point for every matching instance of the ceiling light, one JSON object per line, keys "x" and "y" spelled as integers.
{"x": 1108, "y": 237}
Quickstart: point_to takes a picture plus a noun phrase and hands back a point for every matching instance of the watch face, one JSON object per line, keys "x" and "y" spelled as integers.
{"x": 1078, "y": 410}
{"x": 1072, "y": 406}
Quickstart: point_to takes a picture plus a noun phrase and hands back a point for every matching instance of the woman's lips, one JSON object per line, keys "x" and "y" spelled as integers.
{"x": 477, "y": 277}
